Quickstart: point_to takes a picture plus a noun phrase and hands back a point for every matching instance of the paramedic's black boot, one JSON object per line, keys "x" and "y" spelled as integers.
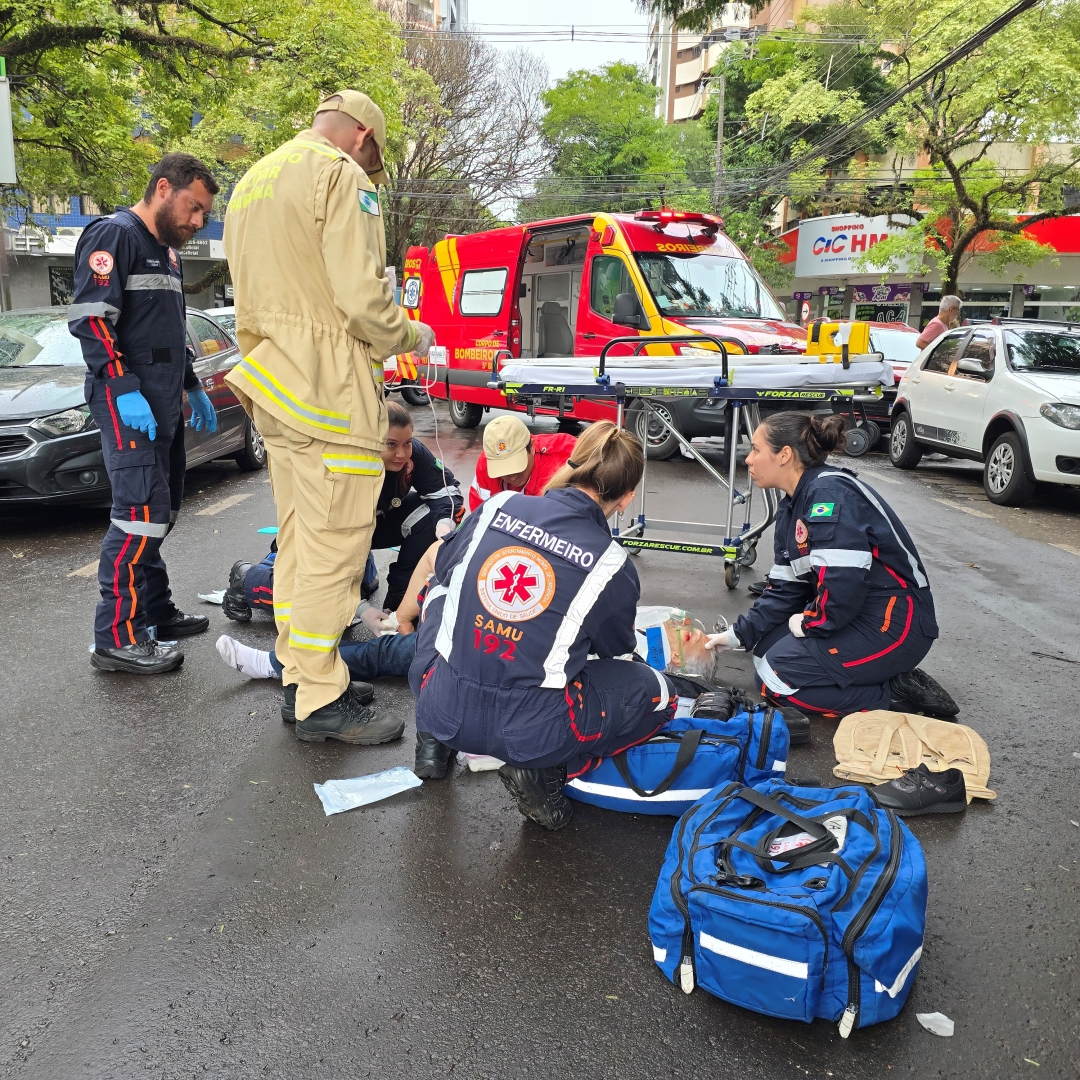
{"x": 233, "y": 603}
{"x": 433, "y": 758}
{"x": 916, "y": 692}
{"x": 176, "y": 625}
{"x": 756, "y": 588}
{"x": 920, "y": 791}
{"x": 539, "y": 794}
{"x": 288, "y": 706}
{"x": 798, "y": 727}
{"x": 145, "y": 658}
{"x": 348, "y": 720}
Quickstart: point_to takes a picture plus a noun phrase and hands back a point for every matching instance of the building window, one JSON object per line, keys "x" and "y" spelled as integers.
{"x": 61, "y": 285}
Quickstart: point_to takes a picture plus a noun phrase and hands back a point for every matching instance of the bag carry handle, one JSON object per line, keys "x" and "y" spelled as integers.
{"x": 798, "y": 858}
{"x": 687, "y": 749}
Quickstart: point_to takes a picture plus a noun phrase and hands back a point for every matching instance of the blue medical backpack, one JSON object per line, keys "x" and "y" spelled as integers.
{"x": 685, "y": 760}
{"x": 757, "y": 904}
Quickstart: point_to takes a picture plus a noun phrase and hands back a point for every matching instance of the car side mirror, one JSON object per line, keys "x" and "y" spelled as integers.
{"x": 972, "y": 367}
{"x": 628, "y": 312}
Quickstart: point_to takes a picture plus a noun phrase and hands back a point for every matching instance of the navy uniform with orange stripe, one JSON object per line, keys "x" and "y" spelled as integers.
{"x": 128, "y": 314}
{"x": 523, "y": 594}
{"x": 843, "y": 559}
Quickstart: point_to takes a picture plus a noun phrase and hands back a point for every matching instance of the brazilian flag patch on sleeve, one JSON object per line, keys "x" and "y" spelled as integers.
{"x": 820, "y": 510}
{"x": 369, "y": 202}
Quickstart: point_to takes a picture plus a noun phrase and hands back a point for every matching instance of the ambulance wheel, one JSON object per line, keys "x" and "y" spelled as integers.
{"x": 465, "y": 414}
{"x": 732, "y": 573}
{"x": 253, "y": 456}
{"x": 858, "y": 442}
{"x": 659, "y": 442}
{"x": 413, "y": 395}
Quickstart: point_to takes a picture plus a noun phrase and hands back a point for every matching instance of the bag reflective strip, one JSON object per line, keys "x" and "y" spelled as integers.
{"x": 444, "y": 641}
{"x": 625, "y": 794}
{"x": 153, "y": 283}
{"x": 84, "y": 311}
{"x": 905, "y": 971}
{"x": 796, "y": 969}
{"x": 782, "y": 573}
{"x": 141, "y": 528}
{"x": 289, "y": 401}
{"x": 920, "y": 577}
{"x": 779, "y": 766}
{"x": 771, "y": 679}
{"x": 658, "y": 954}
{"x": 594, "y": 584}
{"x": 833, "y": 557}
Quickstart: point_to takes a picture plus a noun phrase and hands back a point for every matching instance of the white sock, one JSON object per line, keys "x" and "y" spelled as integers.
{"x": 254, "y": 663}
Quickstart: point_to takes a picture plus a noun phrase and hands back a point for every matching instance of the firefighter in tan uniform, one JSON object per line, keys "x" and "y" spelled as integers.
{"x": 315, "y": 317}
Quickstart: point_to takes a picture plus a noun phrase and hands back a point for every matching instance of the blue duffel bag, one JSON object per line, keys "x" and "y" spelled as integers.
{"x": 685, "y": 760}
{"x": 794, "y": 902}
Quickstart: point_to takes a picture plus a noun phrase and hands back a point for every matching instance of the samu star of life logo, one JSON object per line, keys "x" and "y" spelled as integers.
{"x": 515, "y": 584}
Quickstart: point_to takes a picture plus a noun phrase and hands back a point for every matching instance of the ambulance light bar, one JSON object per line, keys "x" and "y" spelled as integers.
{"x": 666, "y": 216}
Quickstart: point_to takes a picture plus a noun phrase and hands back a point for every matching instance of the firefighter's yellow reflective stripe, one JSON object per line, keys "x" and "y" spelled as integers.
{"x": 378, "y": 372}
{"x": 282, "y": 611}
{"x": 273, "y": 389}
{"x": 314, "y": 642}
{"x": 361, "y": 464}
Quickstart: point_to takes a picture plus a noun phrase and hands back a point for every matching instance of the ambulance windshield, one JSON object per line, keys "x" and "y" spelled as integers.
{"x": 700, "y": 286}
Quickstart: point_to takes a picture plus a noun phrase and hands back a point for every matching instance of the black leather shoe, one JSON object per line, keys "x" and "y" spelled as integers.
{"x": 349, "y": 721}
{"x": 920, "y": 791}
{"x": 433, "y": 758}
{"x": 288, "y": 706}
{"x": 916, "y": 692}
{"x": 798, "y": 727}
{"x": 178, "y": 624}
{"x": 756, "y": 588}
{"x": 539, "y": 794}
{"x": 145, "y": 658}
{"x": 233, "y": 603}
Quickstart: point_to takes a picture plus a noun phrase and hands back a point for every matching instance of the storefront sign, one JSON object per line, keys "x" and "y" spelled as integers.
{"x": 881, "y": 294}
{"x": 830, "y": 290}
{"x": 830, "y": 246}
{"x": 802, "y": 296}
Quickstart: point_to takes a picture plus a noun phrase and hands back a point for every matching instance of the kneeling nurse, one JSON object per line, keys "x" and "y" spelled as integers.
{"x": 524, "y": 593}
{"x": 848, "y": 611}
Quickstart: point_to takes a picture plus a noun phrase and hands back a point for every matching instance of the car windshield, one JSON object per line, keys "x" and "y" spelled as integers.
{"x": 706, "y": 287}
{"x": 226, "y": 320}
{"x": 895, "y": 345}
{"x": 1044, "y": 350}
{"x": 40, "y": 340}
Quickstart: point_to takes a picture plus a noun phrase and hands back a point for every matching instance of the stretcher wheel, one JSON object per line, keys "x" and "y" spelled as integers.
{"x": 751, "y": 555}
{"x": 873, "y": 432}
{"x": 732, "y": 573}
{"x": 858, "y": 442}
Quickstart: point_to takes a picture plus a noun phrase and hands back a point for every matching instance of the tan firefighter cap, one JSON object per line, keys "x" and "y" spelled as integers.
{"x": 364, "y": 111}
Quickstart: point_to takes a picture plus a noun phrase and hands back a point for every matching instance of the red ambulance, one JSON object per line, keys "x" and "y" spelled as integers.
{"x": 566, "y": 287}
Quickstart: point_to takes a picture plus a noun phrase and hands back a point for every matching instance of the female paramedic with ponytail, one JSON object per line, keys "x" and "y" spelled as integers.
{"x": 848, "y": 611}
{"x": 523, "y": 593}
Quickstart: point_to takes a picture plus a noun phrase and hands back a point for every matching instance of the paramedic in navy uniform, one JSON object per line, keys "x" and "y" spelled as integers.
{"x": 848, "y": 612}
{"x": 128, "y": 314}
{"x": 523, "y": 593}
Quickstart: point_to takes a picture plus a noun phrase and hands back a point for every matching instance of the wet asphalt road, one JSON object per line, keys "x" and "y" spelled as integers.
{"x": 175, "y": 904}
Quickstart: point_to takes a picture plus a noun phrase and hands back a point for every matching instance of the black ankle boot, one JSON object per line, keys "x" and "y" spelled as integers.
{"x": 539, "y": 794}
{"x": 433, "y": 758}
{"x": 916, "y": 692}
{"x": 234, "y": 605}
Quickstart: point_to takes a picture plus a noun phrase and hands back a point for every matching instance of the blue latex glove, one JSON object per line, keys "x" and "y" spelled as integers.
{"x": 136, "y": 413}
{"x": 202, "y": 412}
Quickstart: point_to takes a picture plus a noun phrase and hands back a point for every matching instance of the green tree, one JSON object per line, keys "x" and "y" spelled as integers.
{"x": 989, "y": 139}
{"x": 606, "y": 149}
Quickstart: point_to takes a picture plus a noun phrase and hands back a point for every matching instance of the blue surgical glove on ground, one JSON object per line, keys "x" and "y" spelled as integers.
{"x": 136, "y": 413}
{"x": 202, "y": 412}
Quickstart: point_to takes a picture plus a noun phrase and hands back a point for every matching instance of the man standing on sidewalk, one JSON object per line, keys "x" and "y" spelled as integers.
{"x": 315, "y": 317}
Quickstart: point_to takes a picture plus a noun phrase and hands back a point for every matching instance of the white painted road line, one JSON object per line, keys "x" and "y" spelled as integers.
{"x": 964, "y": 509}
{"x": 223, "y": 504}
{"x": 1067, "y": 547}
{"x": 882, "y": 476}
{"x": 89, "y": 570}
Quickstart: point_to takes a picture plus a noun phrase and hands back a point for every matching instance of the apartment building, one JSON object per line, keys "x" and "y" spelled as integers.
{"x": 679, "y": 61}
